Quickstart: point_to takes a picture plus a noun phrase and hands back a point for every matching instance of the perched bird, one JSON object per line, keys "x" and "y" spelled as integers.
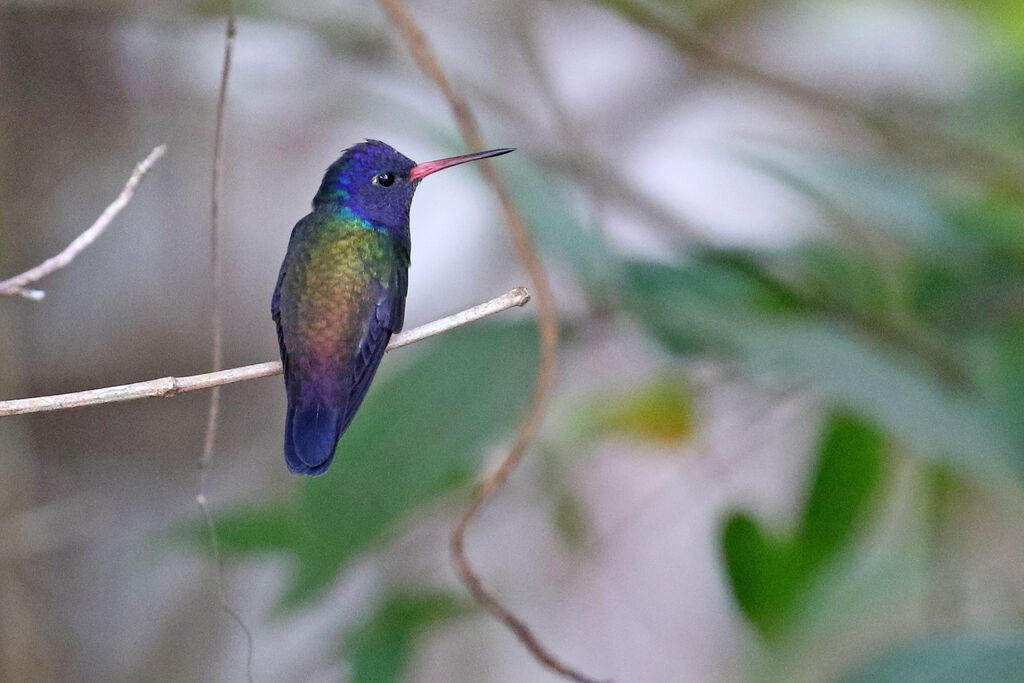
{"x": 340, "y": 294}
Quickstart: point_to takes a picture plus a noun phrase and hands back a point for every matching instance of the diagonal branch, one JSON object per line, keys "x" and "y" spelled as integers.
{"x": 169, "y": 386}
{"x": 18, "y": 283}
{"x": 426, "y": 59}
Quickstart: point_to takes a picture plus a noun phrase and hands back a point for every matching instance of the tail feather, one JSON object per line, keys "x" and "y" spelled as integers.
{"x": 311, "y": 435}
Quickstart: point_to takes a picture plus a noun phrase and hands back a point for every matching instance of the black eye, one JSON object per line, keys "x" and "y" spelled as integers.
{"x": 384, "y": 179}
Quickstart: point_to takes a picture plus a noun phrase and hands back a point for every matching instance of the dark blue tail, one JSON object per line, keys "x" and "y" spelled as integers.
{"x": 311, "y": 435}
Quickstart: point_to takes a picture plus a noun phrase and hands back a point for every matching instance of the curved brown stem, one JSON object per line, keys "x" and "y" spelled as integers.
{"x": 426, "y": 59}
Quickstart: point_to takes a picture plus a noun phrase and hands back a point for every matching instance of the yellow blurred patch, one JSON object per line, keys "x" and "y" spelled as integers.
{"x": 661, "y": 412}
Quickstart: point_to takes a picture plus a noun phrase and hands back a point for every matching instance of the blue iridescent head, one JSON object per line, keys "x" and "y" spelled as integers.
{"x": 376, "y": 182}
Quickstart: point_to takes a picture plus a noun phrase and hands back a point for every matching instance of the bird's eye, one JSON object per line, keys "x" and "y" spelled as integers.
{"x": 384, "y": 179}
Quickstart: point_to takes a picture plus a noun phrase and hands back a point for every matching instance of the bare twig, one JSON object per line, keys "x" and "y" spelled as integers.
{"x": 426, "y": 59}
{"x": 17, "y": 284}
{"x": 170, "y": 386}
{"x": 217, "y": 323}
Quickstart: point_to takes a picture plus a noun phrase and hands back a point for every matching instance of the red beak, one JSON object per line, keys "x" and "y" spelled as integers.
{"x": 420, "y": 171}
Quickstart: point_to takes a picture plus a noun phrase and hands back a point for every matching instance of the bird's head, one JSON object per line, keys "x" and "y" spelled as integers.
{"x": 376, "y": 182}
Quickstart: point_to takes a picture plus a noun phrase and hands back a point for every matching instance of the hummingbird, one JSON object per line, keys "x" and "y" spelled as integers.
{"x": 340, "y": 294}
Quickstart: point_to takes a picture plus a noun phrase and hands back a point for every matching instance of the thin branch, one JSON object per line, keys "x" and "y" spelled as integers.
{"x": 426, "y": 59}
{"x": 217, "y": 323}
{"x": 17, "y": 284}
{"x": 171, "y": 386}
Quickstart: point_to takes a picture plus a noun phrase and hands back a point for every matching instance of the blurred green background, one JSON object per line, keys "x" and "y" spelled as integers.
{"x": 787, "y": 439}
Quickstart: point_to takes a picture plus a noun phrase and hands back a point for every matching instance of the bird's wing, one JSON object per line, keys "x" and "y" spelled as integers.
{"x": 387, "y": 319}
{"x": 298, "y": 235}
{"x": 275, "y": 313}
{"x": 398, "y": 287}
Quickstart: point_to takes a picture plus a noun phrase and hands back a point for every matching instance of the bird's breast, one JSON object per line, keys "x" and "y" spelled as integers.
{"x": 330, "y": 294}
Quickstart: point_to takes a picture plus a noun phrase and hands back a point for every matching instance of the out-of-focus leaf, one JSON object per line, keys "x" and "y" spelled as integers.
{"x": 661, "y": 412}
{"x": 853, "y": 373}
{"x": 1004, "y": 20}
{"x": 270, "y": 528}
{"x": 764, "y": 573}
{"x": 839, "y": 281}
{"x": 849, "y": 474}
{"x": 571, "y": 519}
{"x": 869, "y": 192}
{"x": 569, "y": 515}
{"x": 701, "y": 308}
{"x": 243, "y": 8}
{"x": 418, "y": 435}
{"x": 999, "y": 365}
{"x": 772, "y": 294}
{"x": 978, "y": 657}
{"x": 993, "y": 222}
{"x": 380, "y": 651}
{"x": 547, "y": 204}
{"x": 771, "y": 575}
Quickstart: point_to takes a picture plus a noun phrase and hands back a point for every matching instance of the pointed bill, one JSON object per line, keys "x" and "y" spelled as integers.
{"x": 420, "y": 171}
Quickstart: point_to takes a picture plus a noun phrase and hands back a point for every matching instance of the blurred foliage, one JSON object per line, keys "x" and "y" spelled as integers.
{"x": 418, "y": 436}
{"x": 771, "y": 574}
{"x": 551, "y": 207}
{"x": 571, "y": 519}
{"x": 886, "y": 308}
{"x": 979, "y": 657}
{"x": 903, "y": 314}
{"x": 709, "y": 306}
{"x": 569, "y": 515}
{"x": 1002, "y": 19}
{"x": 660, "y": 413}
{"x": 380, "y": 651}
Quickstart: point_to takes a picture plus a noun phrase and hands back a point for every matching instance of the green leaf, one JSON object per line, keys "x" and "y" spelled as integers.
{"x": 704, "y": 307}
{"x": 380, "y": 651}
{"x": 1004, "y": 22}
{"x": 549, "y": 208}
{"x": 765, "y": 576}
{"x": 772, "y": 576}
{"x": 707, "y": 309}
{"x": 418, "y": 435}
{"x": 884, "y": 196}
{"x": 267, "y": 529}
{"x": 853, "y": 373}
{"x": 977, "y": 656}
{"x": 1000, "y": 369}
{"x": 993, "y": 221}
{"x": 848, "y": 477}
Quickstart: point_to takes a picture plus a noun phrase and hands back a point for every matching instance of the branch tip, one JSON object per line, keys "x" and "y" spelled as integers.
{"x": 17, "y": 284}
{"x": 521, "y": 296}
